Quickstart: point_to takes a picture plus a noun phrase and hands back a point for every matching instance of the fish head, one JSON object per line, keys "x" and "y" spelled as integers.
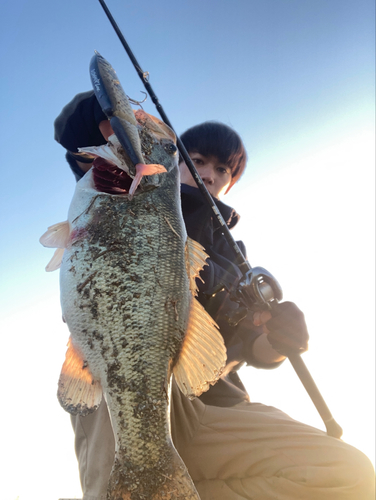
{"x": 158, "y": 146}
{"x": 114, "y": 172}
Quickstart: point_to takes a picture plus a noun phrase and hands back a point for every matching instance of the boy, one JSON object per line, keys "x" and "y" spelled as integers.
{"x": 233, "y": 449}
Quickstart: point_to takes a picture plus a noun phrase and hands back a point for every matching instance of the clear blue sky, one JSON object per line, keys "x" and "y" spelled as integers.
{"x": 296, "y": 79}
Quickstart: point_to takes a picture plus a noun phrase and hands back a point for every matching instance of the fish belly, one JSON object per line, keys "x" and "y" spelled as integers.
{"x": 125, "y": 298}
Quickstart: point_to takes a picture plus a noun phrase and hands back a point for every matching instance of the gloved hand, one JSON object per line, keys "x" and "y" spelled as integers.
{"x": 285, "y": 328}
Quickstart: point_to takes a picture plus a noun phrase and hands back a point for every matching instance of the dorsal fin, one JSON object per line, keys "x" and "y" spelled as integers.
{"x": 195, "y": 260}
{"x": 78, "y": 392}
{"x": 203, "y": 354}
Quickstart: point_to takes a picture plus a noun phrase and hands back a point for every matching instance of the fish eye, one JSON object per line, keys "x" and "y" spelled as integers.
{"x": 171, "y": 148}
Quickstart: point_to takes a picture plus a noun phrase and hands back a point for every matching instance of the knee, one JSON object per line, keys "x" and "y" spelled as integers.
{"x": 360, "y": 475}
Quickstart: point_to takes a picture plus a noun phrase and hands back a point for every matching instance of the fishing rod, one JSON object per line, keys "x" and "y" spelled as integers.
{"x": 258, "y": 286}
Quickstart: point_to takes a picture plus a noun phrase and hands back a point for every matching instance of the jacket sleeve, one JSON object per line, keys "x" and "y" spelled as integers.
{"x": 77, "y": 124}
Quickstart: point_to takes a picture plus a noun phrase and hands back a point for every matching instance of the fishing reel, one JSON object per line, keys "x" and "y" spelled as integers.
{"x": 258, "y": 289}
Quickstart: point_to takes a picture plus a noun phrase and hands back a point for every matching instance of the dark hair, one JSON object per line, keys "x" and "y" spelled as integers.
{"x": 217, "y": 139}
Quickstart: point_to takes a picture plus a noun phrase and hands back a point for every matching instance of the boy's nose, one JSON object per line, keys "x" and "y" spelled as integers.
{"x": 207, "y": 175}
{"x": 208, "y": 180}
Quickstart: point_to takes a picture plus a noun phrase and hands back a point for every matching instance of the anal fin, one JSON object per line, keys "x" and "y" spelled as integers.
{"x": 78, "y": 392}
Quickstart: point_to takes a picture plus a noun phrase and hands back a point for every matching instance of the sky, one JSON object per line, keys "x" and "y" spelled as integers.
{"x": 296, "y": 79}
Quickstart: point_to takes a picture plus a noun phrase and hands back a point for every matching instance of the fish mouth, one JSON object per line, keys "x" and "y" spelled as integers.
{"x": 110, "y": 179}
{"x": 115, "y": 173}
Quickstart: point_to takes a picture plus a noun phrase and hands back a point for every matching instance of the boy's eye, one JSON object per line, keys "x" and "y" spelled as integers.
{"x": 222, "y": 170}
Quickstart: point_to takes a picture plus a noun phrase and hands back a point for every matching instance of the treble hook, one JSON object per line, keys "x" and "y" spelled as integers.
{"x": 138, "y": 103}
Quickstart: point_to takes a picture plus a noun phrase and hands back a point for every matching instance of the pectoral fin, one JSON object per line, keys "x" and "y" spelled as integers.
{"x": 56, "y": 236}
{"x": 203, "y": 354}
{"x": 78, "y": 392}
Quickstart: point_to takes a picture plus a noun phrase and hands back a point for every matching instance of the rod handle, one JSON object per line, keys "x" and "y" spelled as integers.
{"x": 332, "y": 427}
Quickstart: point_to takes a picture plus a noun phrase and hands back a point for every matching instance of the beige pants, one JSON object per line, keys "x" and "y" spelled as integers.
{"x": 249, "y": 451}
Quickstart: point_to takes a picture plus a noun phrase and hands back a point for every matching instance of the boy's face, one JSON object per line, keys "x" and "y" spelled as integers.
{"x": 215, "y": 175}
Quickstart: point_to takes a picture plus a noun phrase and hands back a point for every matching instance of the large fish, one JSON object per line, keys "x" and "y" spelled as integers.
{"x": 128, "y": 297}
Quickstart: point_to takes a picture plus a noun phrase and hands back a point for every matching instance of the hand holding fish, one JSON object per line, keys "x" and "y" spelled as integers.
{"x": 106, "y": 129}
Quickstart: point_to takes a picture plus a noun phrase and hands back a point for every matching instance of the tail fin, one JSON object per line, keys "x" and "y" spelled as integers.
{"x": 168, "y": 479}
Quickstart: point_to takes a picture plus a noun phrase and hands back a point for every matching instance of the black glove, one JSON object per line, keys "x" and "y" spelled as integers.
{"x": 287, "y": 330}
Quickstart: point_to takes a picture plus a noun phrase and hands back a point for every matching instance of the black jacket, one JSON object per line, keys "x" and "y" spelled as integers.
{"x": 221, "y": 269}
{"x": 77, "y": 126}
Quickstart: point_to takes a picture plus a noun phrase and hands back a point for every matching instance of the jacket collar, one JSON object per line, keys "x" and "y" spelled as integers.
{"x": 230, "y": 216}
